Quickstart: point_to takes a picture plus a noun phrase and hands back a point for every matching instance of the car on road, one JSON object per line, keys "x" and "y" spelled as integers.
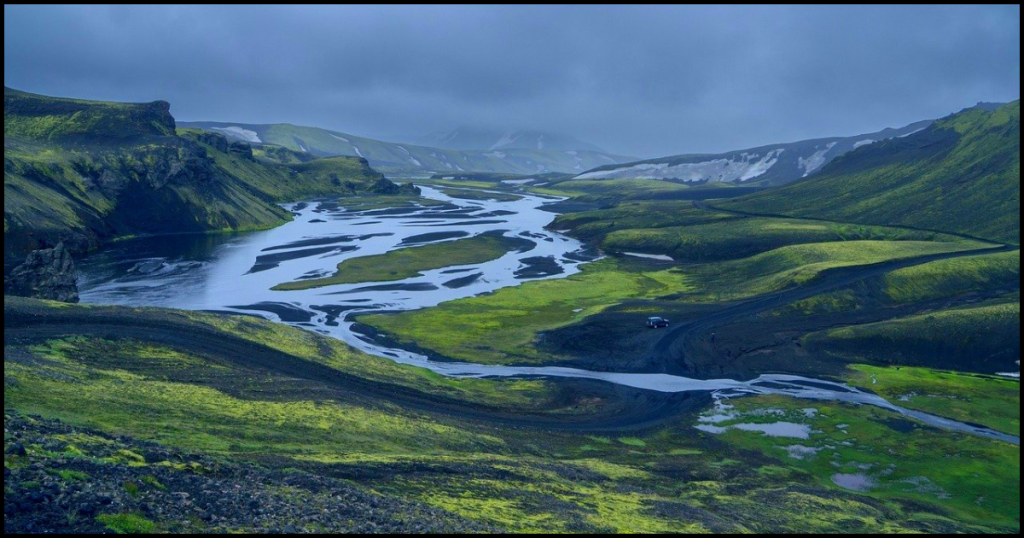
{"x": 656, "y": 322}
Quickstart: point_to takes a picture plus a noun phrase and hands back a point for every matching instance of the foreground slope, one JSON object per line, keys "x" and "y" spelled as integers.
{"x": 397, "y": 158}
{"x": 84, "y": 171}
{"x": 962, "y": 175}
{"x": 194, "y": 422}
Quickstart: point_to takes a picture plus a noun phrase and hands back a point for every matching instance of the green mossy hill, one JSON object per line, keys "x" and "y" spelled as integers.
{"x": 688, "y": 234}
{"x": 983, "y": 338}
{"x": 38, "y": 117}
{"x": 960, "y": 175}
{"x": 83, "y": 171}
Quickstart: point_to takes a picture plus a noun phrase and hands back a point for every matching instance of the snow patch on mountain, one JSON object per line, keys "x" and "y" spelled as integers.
{"x": 343, "y": 139}
{"x": 743, "y": 167}
{"x": 816, "y": 159}
{"x": 507, "y": 138}
{"x": 497, "y": 154}
{"x": 912, "y": 132}
{"x": 238, "y": 132}
{"x": 576, "y": 159}
{"x": 864, "y": 142}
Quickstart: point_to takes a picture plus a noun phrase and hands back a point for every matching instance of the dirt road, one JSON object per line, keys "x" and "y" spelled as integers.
{"x": 28, "y": 322}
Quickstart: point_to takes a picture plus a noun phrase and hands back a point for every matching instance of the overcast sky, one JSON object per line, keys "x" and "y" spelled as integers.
{"x": 644, "y": 81}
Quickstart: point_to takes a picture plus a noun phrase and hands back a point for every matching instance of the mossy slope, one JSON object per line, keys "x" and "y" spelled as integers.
{"x": 962, "y": 174}
{"x": 83, "y": 171}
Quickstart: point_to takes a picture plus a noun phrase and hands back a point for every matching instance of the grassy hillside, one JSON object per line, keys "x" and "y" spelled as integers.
{"x": 109, "y": 430}
{"x": 693, "y": 235}
{"x": 83, "y": 171}
{"x": 967, "y": 338}
{"x": 398, "y": 158}
{"x": 961, "y": 175}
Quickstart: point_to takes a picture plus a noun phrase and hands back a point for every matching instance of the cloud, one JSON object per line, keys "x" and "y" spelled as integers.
{"x": 648, "y": 80}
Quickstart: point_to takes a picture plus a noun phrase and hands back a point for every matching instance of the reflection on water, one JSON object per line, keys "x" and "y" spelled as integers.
{"x": 153, "y": 271}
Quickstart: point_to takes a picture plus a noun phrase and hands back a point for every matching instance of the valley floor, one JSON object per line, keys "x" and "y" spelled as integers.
{"x": 136, "y": 419}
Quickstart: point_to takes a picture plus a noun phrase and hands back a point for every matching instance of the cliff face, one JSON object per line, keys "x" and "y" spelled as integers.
{"x": 46, "y": 274}
{"x": 80, "y": 172}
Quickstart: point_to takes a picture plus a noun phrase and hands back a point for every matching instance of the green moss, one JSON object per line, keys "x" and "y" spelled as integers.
{"x": 131, "y": 488}
{"x": 981, "y": 338}
{"x": 152, "y": 481}
{"x": 985, "y": 400}
{"x": 949, "y": 277}
{"x": 131, "y": 523}
{"x": 501, "y": 327}
{"x": 632, "y": 441}
{"x": 964, "y": 473}
{"x": 206, "y": 419}
{"x": 730, "y": 239}
{"x": 795, "y": 265}
{"x": 129, "y": 457}
{"x": 72, "y": 476}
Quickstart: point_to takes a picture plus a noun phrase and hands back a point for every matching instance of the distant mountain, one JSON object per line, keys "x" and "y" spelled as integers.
{"x": 776, "y": 164}
{"x": 469, "y": 138}
{"x": 396, "y": 158}
{"x": 961, "y": 174}
{"x": 80, "y": 172}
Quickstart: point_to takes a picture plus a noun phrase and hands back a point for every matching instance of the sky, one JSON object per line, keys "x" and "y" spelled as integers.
{"x": 645, "y": 81}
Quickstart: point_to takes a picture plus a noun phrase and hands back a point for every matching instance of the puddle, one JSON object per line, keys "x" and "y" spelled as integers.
{"x": 854, "y": 482}
{"x": 776, "y": 429}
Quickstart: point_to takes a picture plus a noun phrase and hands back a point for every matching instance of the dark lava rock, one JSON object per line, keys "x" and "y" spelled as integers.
{"x": 46, "y": 274}
{"x": 386, "y": 186}
{"x": 17, "y": 449}
{"x": 241, "y": 149}
{"x": 217, "y": 141}
{"x": 194, "y": 493}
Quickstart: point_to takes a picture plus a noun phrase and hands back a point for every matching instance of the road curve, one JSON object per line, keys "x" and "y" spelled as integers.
{"x": 27, "y": 323}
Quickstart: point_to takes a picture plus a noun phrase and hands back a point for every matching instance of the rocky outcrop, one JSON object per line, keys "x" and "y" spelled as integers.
{"x": 387, "y": 187}
{"x": 220, "y": 143}
{"x": 46, "y": 274}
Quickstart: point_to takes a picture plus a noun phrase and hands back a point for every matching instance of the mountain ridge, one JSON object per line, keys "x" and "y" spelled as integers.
{"x": 404, "y": 159}
{"x": 768, "y": 165}
{"x": 961, "y": 174}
